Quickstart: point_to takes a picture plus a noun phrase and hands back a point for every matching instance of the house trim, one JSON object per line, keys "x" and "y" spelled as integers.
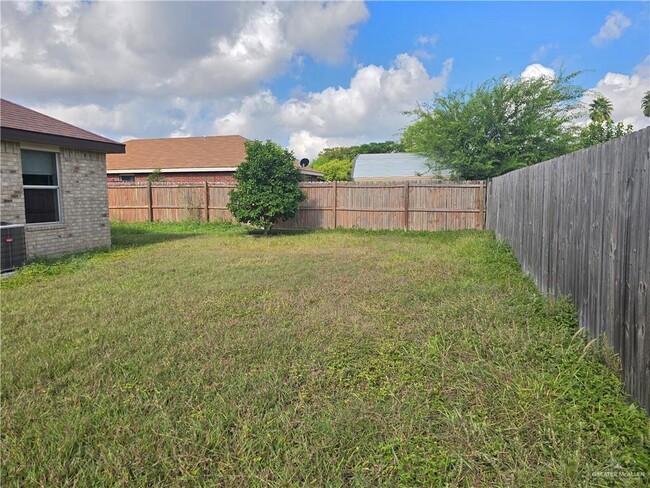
{"x": 25, "y": 136}
{"x": 232, "y": 169}
{"x": 168, "y": 170}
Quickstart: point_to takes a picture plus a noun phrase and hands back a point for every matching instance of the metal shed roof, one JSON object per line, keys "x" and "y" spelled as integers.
{"x": 392, "y": 165}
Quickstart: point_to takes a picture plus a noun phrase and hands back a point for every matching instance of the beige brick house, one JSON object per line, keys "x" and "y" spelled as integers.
{"x": 53, "y": 183}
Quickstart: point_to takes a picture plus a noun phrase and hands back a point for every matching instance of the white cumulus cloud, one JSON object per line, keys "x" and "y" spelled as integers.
{"x": 370, "y": 109}
{"x": 537, "y": 71}
{"x": 158, "y": 69}
{"x": 82, "y": 52}
{"x": 615, "y": 24}
{"x": 626, "y": 92}
{"x": 305, "y": 144}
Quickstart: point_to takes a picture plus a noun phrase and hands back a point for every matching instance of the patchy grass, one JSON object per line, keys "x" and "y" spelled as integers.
{"x": 126, "y": 238}
{"x": 197, "y": 355}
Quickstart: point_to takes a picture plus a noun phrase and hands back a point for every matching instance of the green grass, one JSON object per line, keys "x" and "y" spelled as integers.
{"x": 193, "y": 355}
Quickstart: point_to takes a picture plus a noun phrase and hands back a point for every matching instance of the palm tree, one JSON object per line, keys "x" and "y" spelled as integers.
{"x": 600, "y": 110}
{"x": 645, "y": 104}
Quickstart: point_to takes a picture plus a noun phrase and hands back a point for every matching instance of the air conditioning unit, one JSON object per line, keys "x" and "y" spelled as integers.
{"x": 13, "y": 252}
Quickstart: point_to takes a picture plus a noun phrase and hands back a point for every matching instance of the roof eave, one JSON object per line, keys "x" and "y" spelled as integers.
{"x": 311, "y": 172}
{"x": 18, "y": 135}
{"x": 230, "y": 169}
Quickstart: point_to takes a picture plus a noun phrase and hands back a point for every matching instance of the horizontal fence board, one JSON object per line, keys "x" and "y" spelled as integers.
{"x": 366, "y": 205}
{"x": 580, "y": 226}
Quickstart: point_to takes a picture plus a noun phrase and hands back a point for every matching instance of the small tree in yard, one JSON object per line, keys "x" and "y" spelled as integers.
{"x": 155, "y": 176}
{"x": 267, "y": 186}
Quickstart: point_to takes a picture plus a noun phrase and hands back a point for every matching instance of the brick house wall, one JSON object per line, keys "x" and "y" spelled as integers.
{"x": 12, "y": 208}
{"x": 194, "y": 177}
{"x": 84, "y": 203}
{"x": 198, "y": 177}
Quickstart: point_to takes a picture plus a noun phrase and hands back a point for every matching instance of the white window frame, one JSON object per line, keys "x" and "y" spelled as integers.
{"x": 57, "y": 187}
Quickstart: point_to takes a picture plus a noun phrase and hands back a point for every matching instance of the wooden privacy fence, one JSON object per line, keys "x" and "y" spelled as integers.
{"x": 580, "y": 225}
{"x": 387, "y": 205}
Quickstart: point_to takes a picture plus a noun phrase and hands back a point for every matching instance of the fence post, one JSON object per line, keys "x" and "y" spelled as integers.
{"x": 149, "y": 202}
{"x": 407, "y": 190}
{"x": 484, "y": 202}
{"x": 207, "y": 202}
{"x": 334, "y": 204}
{"x": 480, "y": 205}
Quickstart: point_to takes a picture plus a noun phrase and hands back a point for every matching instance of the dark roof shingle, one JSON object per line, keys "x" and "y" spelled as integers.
{"x": 216, "y": 153}
{"x": 180, "y": 152}
{"x": 15, "y": 118}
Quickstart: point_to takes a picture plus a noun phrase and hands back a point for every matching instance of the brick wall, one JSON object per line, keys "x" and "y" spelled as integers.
{"x": 12, "y": 208}
{"x": 84, "y": 203}
{"x": 221, "y": 177}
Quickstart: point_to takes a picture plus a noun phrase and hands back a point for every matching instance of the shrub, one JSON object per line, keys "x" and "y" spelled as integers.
{"x": 267, "y": 186}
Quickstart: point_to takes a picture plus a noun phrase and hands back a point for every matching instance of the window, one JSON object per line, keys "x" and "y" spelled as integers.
{"x": 41, "y": 186}
{"x": 129, "y": 178}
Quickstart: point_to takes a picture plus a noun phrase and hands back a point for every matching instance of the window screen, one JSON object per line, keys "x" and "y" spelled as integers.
{"x": 41, "y": 186}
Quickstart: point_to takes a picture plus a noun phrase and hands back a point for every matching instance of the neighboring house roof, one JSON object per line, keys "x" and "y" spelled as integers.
{"x": 182, "y": 154}
{"x": 23, "y": 124}
{"x": 392, "y": 165}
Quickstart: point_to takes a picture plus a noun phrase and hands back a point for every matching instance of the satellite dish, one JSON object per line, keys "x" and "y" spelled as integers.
{"x": 304, "y": 162}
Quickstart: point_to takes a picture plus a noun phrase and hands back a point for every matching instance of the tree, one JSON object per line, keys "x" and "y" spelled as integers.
{"x": 597, "y": 133}
{"x": 645, "y": 104}
{"x": 351, "y": 152}
{"x": 600, "y": 110}
{"x": 336, "y": 170}
{"x": 602, "y": 128}
{"x": 336, "y": 162}
{"x": 155, "y": 176}
{"x": 267, "y": 186}
{"x": 501, "y": 126}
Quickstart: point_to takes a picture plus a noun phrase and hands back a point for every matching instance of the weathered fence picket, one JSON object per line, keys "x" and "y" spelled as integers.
{"x": 580, "y": 226}
{"x": 366, "y": 205}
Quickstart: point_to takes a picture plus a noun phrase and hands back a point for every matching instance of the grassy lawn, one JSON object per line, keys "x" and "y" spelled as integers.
{"x": 199, "y": 355}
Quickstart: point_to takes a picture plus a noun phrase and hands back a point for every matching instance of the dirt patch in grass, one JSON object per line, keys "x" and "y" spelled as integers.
{"x": 343, "y": 358}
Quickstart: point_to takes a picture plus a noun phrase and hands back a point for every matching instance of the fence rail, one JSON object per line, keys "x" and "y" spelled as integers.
{"x": 384, "y": 205}
{"x": 580, "y": 225}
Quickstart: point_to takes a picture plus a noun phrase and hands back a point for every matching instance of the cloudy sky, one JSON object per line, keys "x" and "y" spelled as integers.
{"x": 305, "y": 74}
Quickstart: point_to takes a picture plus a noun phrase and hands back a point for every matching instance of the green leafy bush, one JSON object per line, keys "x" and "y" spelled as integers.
{"x": 267, "y": 186}
{"x": 155, "y": 176}
{"x": 336, "y": 170}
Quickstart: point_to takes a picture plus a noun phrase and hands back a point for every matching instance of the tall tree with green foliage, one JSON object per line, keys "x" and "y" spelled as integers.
{"x": 336, "y": 162}
{"x": 336, "y": 170}
{"x": 645, "y": 104}
{"x": 596, "y": 133}
{"x": 501, "y": 126}
{"x": 351, "y": 152}
{"x": 602, "y": 127}
{"x": 267, "y": 186}
{"x": 600, "y": 109}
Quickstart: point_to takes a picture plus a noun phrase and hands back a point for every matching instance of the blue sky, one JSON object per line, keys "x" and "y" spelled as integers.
{"x": 306, "y": 74}
{"x": 488, "y": 39}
